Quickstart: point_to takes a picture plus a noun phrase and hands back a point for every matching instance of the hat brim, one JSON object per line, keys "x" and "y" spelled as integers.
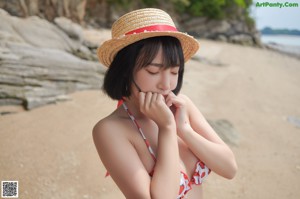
{"x": 108, "y": 50}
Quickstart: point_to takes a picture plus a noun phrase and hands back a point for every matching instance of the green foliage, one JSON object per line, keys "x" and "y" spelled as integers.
{"x": 208, "y": 8}
{"x": 213, "y": 9}
{"x": 149, "y": 3}
{"x": 240, "y": 3}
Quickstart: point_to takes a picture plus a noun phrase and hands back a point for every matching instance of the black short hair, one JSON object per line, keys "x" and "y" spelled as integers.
{"x": 119, "y": 76}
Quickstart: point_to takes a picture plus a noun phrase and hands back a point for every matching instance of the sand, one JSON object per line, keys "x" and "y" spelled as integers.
{"x": 50, "y": 150}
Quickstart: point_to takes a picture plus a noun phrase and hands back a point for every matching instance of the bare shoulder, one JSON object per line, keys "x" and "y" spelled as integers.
{"x": 184, "y": 96}
{"x": 192, "y": 109}
{"x": 102, "y": 126}
{"x": 106, "y": 129}
{"x": 187, "y": 100}
{"x": 112, "y": 140}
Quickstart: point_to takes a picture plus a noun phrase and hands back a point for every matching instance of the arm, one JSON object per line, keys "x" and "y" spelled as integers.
{"x": 125, "y": 167}
{"x": 166, "y": 172}
{"x": 121, "y": 160}
{"x": 165, "y": 180}
{"x": 203, "y": 141}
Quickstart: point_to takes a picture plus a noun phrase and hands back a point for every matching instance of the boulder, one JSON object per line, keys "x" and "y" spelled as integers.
{"x": 72, "y": 29}
{"x": 36, "y": 64}
{"x": 235, "y": 31}
{"x": 243, "y": 39}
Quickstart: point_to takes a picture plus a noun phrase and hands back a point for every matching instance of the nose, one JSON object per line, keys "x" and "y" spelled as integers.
{"x": 165, "y": 82}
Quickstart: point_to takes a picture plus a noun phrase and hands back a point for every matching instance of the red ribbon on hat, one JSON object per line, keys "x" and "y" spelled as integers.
{"x": 153, "y": 28}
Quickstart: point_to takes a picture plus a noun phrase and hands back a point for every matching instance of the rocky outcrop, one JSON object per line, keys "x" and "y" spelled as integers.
{"x": 38, "y": 63}
{"x": 104, "y": 13}
{"x": 49, "y": 10}
{"x": 234, "y": 31}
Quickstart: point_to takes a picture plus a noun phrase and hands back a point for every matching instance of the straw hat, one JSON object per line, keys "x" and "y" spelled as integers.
{"x": 141, "y": 24}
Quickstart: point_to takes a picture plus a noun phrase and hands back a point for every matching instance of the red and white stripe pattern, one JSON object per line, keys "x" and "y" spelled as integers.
{"x": 140, "y": 130}
{"x": 201, "y": 170}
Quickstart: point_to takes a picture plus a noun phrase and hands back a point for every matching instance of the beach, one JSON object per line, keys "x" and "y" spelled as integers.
{"x": 287, "y": 44}
{"x": 50, "y": 149}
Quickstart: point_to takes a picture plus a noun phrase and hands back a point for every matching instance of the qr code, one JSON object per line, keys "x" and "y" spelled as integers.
{"x": 9, "y": 189}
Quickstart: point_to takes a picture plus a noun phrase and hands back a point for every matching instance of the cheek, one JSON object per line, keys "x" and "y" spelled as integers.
{"x": 174, "y": 82}
{"x": 144, "y": 80}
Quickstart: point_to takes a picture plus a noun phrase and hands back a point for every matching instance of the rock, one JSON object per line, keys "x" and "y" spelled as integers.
{"x": 72, "y": 29}
{"x": 218, "y": 26}
{"x": 222, "y": 38}
{"x": 235, "y": 31}
{"x": 257, "y": 40}
{"x": 42, "y": 76}
{"x": 239, "y": 26}
{"x": 241, "y": 39}
{"x": 226, "y": 131}
{"x": 36, "y": 67}
{"x": 47, "y": 9}
{"x": 40, "y": 33}
{"x": 36, "y": 32}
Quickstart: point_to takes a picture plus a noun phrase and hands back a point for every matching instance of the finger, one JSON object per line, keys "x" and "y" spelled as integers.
{"x": 160, "y": 97}
{"x": 176, "y": 101}
{"x": 148, "y": 100}
{"x": 154, "y": 98}
{"x": 170, "y": 95}
{"x": 169, "y": 98}
{"x": 142, "y": 100}
{"x": 169, "y": 101}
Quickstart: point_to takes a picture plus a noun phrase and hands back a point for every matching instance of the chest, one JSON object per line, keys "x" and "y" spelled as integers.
{"x": 148, "y": 138}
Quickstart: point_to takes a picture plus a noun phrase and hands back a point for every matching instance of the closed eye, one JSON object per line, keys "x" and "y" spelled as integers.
{"x": 175, "y": 71}
{"x": 152, "y": 73}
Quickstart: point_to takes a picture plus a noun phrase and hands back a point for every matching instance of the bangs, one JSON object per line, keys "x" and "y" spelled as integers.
{"x": 119, "y": 77}
{"x": 171, "y": 49}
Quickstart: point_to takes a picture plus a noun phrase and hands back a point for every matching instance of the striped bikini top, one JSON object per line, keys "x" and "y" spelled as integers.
{"x": 200, "y": 173}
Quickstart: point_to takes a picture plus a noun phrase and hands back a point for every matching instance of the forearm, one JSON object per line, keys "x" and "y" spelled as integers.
{"x": 218, "y": 157}
{"x": 166, "y": 177}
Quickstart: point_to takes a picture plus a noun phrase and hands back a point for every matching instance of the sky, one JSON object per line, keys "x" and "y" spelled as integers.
{"x": 275, "y": 17}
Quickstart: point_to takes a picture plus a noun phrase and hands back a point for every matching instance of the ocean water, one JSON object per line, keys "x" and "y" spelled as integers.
{"x": 283, "y": 43}
{"x": 286, "y": 40}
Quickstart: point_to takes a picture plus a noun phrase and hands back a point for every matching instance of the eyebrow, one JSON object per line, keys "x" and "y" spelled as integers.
{"x": 156, "y": 64}
{"x": 160, "y": 65}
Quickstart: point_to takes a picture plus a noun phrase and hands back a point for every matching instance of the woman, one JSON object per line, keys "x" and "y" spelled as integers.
{"x": 156, "y": 144}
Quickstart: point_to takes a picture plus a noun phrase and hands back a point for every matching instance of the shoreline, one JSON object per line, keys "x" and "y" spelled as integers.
{"x": 292, "y": 51}
{"x": 282, "y": 43}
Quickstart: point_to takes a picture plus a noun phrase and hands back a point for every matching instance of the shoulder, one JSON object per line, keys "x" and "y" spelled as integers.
{"x": 183, "y": 96}
{"x": 119, "y": 156}
{"x": 187, "y": 100}
{"x": 191, "y": 107}
{"x": 102, "y": 126}
{"x": 107, "y": 129}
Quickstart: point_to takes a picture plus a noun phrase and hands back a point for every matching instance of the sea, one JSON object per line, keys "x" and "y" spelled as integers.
{"x": 288, "y": 44}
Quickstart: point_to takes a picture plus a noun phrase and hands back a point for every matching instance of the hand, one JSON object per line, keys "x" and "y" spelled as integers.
{"x": 153, "y": 105}
{"x": 178, "y": 104}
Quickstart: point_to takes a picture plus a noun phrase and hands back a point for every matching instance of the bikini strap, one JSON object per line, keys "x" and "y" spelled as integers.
{"x": 140, "y": 130}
